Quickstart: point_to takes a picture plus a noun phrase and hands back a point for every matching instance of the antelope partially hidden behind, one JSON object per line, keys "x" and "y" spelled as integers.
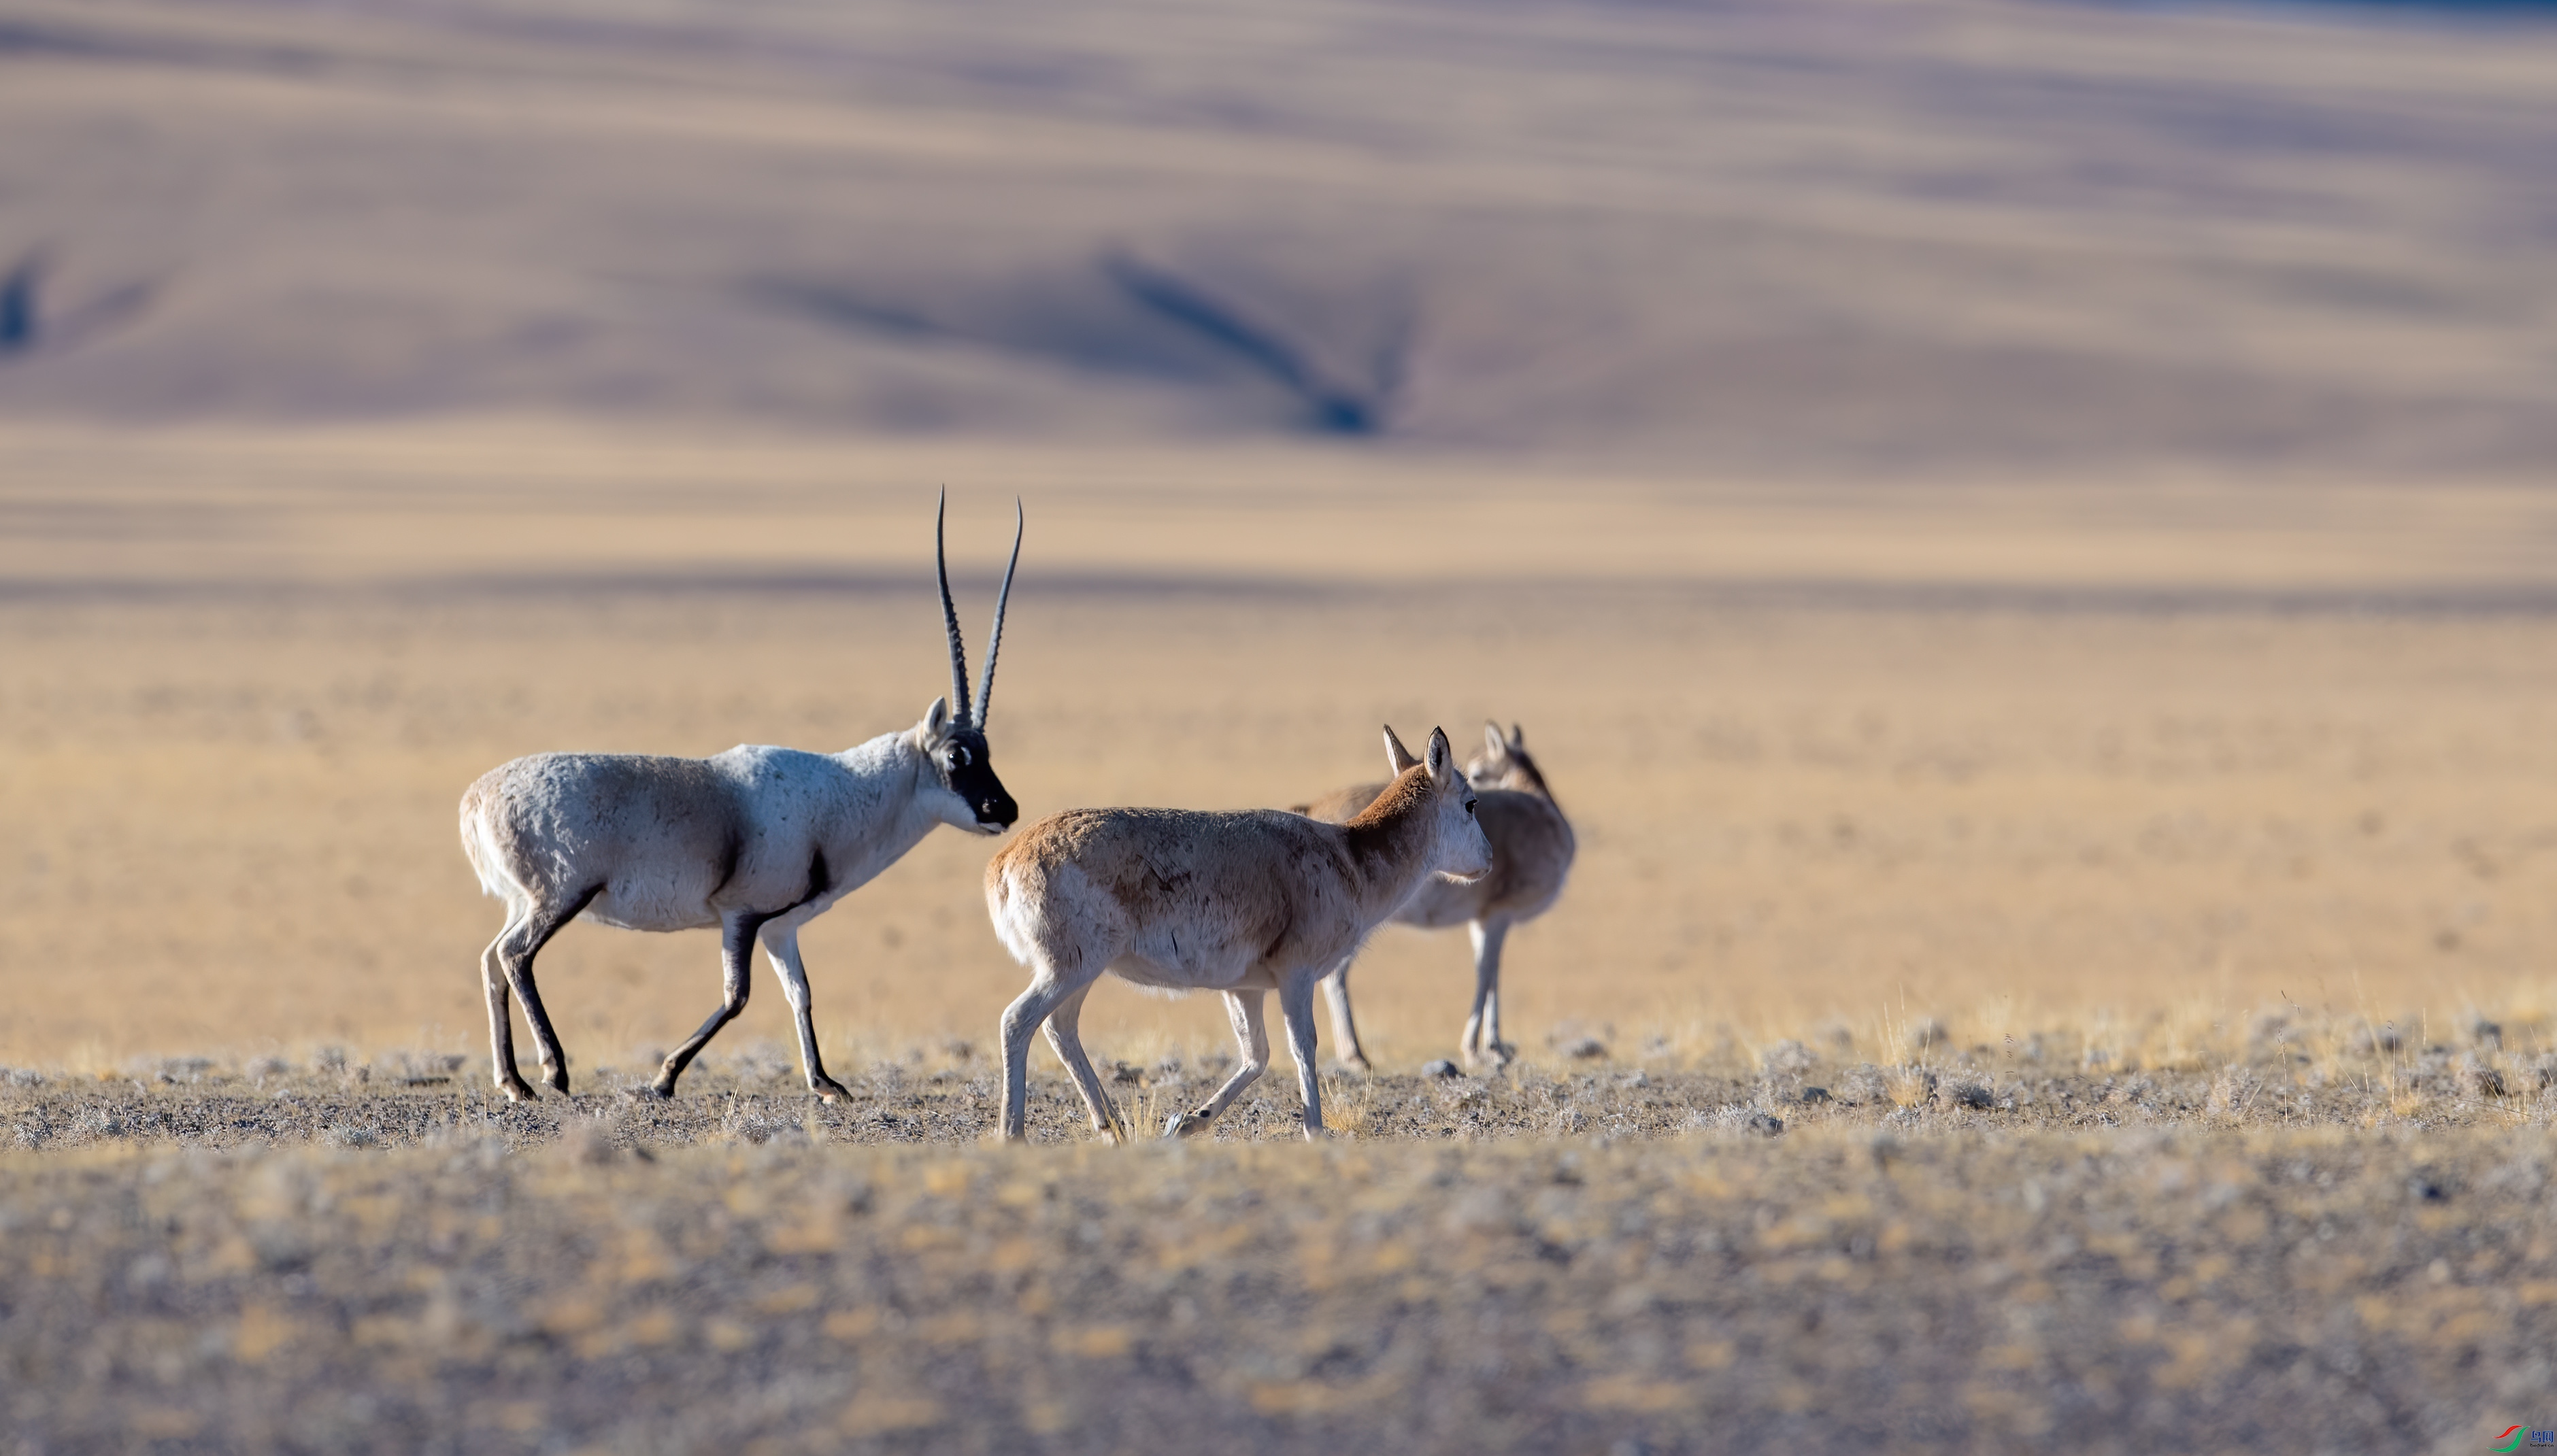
{"x": 1243, "y": 903}
{"x": 756, "y": 840}
{"x": 1531, "y": 850}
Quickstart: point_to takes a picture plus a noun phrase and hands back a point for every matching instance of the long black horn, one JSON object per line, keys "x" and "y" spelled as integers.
{"x": 986, "y": 684}
{"x": 950, "y": 617}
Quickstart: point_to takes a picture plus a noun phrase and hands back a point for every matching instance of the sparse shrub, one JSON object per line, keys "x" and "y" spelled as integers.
{"x": 1971, "y": 1095}
{"x": 1788, "y": 1059}
{"x": 1863, "y": 1085}
{"x": 1580, "y": 1040}
{"x": 2370, "y": 1041}
{"x": 1911, "y": 1086}
{"x": 2477, "y": 1079}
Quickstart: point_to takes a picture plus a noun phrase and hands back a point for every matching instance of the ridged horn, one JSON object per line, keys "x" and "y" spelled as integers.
{"x": 950, "y": 616}
{"x": 995, "y": 644}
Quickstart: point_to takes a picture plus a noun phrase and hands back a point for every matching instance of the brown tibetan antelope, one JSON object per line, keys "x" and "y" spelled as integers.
{"x": 1532, "y": 849}
{"x": 1244, "y": 903}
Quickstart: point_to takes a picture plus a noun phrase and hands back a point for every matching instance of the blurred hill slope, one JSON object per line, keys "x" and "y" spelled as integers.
{"x": 1905, "y": 236}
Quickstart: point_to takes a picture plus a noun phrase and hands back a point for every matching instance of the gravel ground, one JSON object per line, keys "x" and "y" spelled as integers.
{"x": 1598, "y": 1259}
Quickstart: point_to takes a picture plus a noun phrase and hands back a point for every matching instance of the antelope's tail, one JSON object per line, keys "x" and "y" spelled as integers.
{"x": 480, "y": 845}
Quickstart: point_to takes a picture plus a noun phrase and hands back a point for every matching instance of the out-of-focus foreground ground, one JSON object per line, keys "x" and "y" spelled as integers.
{"x": 2018, "y": 531}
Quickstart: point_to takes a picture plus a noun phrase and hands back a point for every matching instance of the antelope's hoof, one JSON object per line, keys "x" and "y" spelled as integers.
{"x": 827, "y": 1090}
{"x": 653, "y": 1092}
{"x": 1356, "y": 1063}
{"x": 517, "y": 1090}
{"x": 557, "y": 1080}
{"x": 1183, "y": 1125}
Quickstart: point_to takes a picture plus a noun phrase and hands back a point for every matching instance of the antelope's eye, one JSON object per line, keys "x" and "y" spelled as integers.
{"x": 1470, "y": 808}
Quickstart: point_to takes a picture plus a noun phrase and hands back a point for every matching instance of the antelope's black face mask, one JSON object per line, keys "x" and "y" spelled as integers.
{"x": 967, "y": 771}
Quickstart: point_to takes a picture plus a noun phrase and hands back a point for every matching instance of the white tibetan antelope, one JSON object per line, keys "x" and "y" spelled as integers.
{"x": 1532, "y": 849}
{"x": 756, "y": 841}
{"x": 1244, "y": 903}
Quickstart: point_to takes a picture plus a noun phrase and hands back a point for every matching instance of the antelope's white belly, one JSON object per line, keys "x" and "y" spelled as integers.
{"x": 1158, "y": 968}
{"x": 638, "y": 905}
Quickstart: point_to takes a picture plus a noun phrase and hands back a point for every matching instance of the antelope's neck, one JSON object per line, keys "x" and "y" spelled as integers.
{"x": 1390, "y": 843}
{"x": 890, "y": 770}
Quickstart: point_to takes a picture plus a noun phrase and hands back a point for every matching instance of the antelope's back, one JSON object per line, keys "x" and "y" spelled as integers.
{"x": 559, "y": 822}
{"x": 1340, "y": 806}
{"x": 1157, "y": 865}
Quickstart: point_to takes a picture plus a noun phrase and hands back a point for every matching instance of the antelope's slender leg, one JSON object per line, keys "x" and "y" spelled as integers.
{"x": 501, "y": 1023}
{"x": 1336, "y": 990}
{"x": 1064, "y": 1036}
{"x": 736, "y": 964}
{"x": 782, "y": 947}
{"x": 1252, "y": 1040}
{"x": 1483, "y": 1027}
{"x": 1047, "y": 990}
{"x": 515, "y": 951}
{"x": 1297, "y": 1012}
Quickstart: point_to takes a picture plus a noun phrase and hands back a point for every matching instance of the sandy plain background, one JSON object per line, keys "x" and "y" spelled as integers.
{"x": 2075, "y": 760}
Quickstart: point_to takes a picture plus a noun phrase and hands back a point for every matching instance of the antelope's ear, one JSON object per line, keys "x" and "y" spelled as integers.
{"x": 1518, "y": 736}
{"x": 936, "y": 718}
{"x": 1493, "y": 742}
{"x": 1442, "y": 758}
{"x": 1396, "y": 756}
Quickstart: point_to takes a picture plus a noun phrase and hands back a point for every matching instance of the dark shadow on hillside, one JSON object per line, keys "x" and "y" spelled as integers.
{"x": 28, "y": 325}
{"x": 1134, "y": 320}
{"x": 20, "y": 323}
{"x": 1332, "y": 406}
